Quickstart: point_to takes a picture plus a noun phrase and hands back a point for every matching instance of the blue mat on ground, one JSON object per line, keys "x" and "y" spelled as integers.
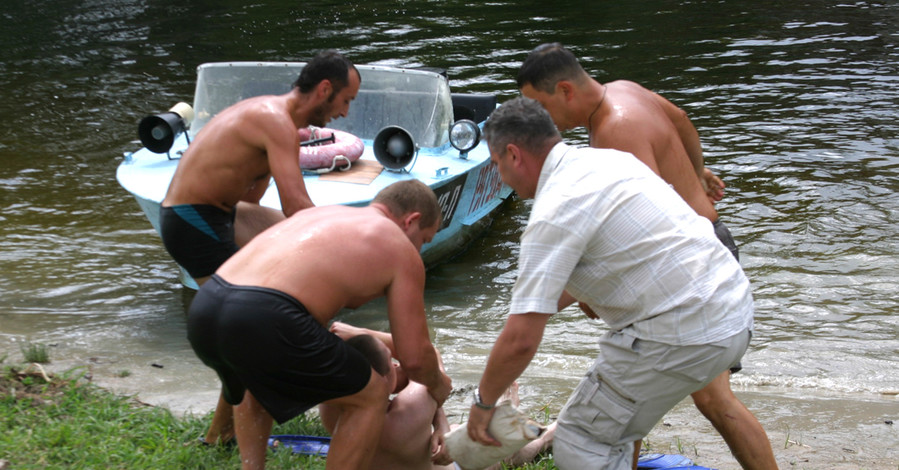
{"x": 666, "y": 462}
{"x": 299, "y": 444}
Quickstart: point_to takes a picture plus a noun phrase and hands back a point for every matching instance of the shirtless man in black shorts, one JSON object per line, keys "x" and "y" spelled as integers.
{"x": 262, "y": 320}
{"x": 212, "y": 205}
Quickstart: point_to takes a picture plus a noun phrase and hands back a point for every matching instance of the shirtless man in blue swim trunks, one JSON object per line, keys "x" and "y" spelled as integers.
{"x": 262, "y": 320}
{"x": 212, "y": 205}
{"x": 623, "y": 115}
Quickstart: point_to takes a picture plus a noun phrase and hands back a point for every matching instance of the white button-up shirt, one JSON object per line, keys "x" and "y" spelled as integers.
{"x": 610, "y": 231}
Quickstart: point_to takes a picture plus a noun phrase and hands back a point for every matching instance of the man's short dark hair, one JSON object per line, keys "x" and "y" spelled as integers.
{"x": 407, "y": 196}
{"x": 326, "y": 65}
{"x": 376, "y": 355}
{"x": 547, "y": 65}
{"x": 521, "y": 121}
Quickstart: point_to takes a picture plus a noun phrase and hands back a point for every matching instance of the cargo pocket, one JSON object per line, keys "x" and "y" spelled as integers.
{"x": 599, "y": 409}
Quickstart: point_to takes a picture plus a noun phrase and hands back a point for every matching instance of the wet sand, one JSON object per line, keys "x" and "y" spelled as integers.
{"x": 806, "y": 432}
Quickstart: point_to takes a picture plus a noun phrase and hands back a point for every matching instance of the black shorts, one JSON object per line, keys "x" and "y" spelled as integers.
{"x": 726, "y": 238}
{"x": 265, "y": 341}
{"x": 199, "y": 237}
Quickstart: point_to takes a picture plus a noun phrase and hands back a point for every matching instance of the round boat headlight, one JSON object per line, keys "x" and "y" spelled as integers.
{"x": 464, "y": 135}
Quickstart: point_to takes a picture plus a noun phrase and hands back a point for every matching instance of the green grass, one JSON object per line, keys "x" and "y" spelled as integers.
{"x": 38, "y": 353}
{"x": 68, "y": 423}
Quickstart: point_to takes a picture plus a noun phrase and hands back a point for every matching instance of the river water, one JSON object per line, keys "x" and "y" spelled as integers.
{"x": 795, "y": 102}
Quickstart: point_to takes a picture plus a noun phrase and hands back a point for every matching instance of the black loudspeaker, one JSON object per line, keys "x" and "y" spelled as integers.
{"x": 157, "y": 132}
{"x": 394, "y": 147}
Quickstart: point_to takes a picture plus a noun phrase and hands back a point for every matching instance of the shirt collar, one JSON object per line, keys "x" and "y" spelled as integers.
{"x": 552, "y": 161}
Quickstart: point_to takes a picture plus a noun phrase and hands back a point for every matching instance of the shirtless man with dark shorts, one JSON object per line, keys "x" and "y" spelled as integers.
{"x": 623, "y": 115}
{"x": 262, "y": 320}
{"x": 212, "y": 205}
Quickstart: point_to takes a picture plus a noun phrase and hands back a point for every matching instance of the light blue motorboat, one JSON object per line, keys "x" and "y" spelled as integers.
{"x": 411, "y": 124}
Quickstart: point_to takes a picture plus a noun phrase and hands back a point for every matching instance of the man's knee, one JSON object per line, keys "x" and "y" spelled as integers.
{"x": 575, "y": 451}
{"x": 252, "y": 219}
{"x": 715, "y": 396}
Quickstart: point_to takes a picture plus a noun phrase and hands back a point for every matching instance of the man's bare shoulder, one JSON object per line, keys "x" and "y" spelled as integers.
{"x": 362, "y": 227}
{"x": 266, "y": 108}
{"x": 633, "y": 111}
{"x": 628, "y": 87}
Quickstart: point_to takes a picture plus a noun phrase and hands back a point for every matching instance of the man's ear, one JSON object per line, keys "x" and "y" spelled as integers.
{"x": 514, "y": 153}
{"x": 410, "y": 218}
{"x": 323, "y": 89}
{"x": 566, "y": 88}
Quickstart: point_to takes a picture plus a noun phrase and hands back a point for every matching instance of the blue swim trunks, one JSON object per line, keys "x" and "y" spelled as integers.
{"x": 199, "y": 237}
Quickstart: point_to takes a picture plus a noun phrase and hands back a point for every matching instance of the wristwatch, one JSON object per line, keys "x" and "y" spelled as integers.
{"x": 476, "y": 401}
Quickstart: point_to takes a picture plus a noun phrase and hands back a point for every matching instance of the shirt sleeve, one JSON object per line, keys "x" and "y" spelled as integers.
{"x": 549, "y": 254}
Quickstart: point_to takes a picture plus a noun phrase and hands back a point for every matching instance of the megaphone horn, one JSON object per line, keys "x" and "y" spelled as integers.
{"x": 394, "y": 147}
{"x": 157, "y": 132}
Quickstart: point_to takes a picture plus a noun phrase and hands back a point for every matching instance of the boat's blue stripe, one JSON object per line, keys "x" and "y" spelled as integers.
{"x": 191, "y": 216}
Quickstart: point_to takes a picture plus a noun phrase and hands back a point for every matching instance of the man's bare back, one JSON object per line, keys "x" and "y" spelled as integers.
{"x": 636, "y": 120}
{"x": 347, "y": 260}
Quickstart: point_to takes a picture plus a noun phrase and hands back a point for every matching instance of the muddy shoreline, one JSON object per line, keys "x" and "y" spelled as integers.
{"x": 808, "y": 429}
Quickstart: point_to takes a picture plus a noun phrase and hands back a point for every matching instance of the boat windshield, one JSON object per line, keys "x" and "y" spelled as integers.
{"x": 417, "y": 100}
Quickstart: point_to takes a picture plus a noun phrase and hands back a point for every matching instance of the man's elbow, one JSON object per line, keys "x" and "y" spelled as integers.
{"x": 291, "y": 209}
{"x": 523, "y": 347}
{"x": 420, "y": 366}
{"x": 415, "y": 367}
{"x": 521, "y": 339}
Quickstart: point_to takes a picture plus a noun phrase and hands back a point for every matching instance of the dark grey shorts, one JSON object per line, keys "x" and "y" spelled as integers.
{"x": 723, "y": 234}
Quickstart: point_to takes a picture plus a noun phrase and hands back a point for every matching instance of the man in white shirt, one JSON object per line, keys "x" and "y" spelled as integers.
{"x": 615, "y": 237}
{"x": 623, "y": 115}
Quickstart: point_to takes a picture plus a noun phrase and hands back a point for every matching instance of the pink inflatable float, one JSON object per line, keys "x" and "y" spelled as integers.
{"x": 338, "y": 149}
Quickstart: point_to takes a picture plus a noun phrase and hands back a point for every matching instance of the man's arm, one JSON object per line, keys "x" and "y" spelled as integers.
{"x": 409, "y": 327}
{"x": 565, "y": 300}
{"x": 510, "y": 356}
{"x": 689, "y": 136}
{"x": 283, "y": 149}
{"x": 439, "y": 451}
{"x": 346, "y": 331}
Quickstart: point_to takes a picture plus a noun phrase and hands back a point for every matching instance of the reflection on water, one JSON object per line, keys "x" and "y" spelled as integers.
{"x": 795, "y": 107}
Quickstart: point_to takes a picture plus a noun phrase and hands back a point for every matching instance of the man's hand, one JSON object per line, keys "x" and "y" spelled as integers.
{"x": 439, "y": 451}
{"x": 478, "y": 420}
{"x": 712, "y": 184}
{"x": 443, "y": 391}
{"x": 345, "y": 331}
